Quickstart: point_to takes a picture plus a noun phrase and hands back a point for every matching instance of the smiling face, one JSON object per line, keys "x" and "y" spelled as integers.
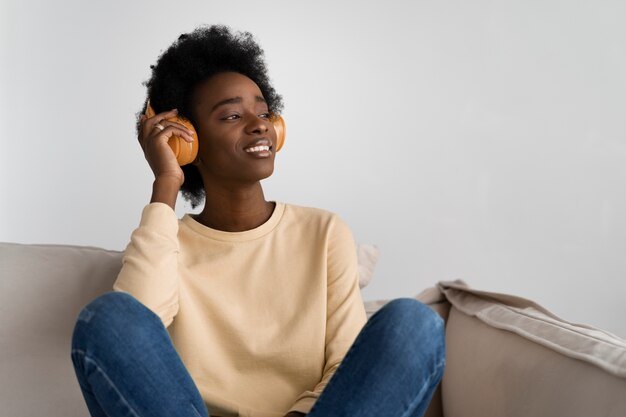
{"x": 235, "y": 136}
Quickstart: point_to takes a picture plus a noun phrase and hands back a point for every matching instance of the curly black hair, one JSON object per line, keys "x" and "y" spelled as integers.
{"x": 194, "y": 58}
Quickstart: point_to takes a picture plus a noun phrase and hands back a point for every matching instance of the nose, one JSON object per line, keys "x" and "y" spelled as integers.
{"x": 258, "y": 125}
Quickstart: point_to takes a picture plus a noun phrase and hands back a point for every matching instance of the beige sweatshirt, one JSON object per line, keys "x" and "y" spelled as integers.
{"x": 260, "y": 318}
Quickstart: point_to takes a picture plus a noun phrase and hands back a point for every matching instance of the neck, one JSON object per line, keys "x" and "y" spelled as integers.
{"x": 235, "y": 208}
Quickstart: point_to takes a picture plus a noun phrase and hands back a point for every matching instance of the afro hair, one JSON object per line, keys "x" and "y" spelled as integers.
{"x": 193, "y": 58}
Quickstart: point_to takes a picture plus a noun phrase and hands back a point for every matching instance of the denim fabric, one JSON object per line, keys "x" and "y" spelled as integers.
{"x": 392, "y": 368}
{"x": 126, "y": 364}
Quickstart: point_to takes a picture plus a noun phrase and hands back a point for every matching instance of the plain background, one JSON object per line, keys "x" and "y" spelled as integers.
{"x": 478, "y": 140}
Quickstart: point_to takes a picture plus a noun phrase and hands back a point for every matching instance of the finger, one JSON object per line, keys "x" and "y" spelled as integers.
{"x": 151, "y": 121}
{"x": 159, "y": 126}
{"x": 166, "y": 123}
{"x": 166, "y": 114}
{"x": 172, "y": 129}
{"x": 147, "y": 125}
{"x": 157, "y": 129}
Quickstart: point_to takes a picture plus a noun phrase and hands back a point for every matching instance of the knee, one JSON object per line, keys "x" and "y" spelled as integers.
{"x": 412, "y": 320}
{"x": 110, "y": 315}
{"x": 110, "y": 306}
{"x": 412, "y": 311}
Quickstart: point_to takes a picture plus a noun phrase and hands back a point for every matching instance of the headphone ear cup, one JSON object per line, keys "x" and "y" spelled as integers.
{"x": 149, "y": 110}
{"x": 279, "y": 126}
{"x": 184, "y": 151}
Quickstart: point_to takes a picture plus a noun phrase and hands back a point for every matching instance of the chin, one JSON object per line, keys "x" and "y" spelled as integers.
{"x": 258, "y": 175}
{"x": 265, "y": 170}
{"x": 267, "y": 174}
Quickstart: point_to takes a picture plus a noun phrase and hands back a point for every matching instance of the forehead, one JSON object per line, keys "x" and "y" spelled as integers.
{"x": 223, "y": 86}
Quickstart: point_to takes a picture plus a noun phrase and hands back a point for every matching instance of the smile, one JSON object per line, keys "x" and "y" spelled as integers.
{"x": 261, "y": 148}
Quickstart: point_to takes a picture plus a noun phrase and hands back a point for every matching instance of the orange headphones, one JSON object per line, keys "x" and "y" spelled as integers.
{"x": 186, "y": 152}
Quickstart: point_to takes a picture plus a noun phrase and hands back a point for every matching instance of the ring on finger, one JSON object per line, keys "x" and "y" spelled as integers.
{"x": 159, "y": 126}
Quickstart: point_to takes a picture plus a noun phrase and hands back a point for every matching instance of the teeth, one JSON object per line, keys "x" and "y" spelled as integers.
{"x": 258, "y": 148}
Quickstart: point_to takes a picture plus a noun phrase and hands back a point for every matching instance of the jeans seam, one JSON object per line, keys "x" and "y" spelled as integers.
{"x": 425, "y": 386}
{"x": 195, "y": 410}
{"x": 99, "y": 369}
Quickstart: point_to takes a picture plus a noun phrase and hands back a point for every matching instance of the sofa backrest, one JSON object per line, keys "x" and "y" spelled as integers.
{"x": 43, "y": 288}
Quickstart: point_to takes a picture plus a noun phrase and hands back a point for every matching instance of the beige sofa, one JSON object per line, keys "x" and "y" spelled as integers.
{"x": 506, "y": 356}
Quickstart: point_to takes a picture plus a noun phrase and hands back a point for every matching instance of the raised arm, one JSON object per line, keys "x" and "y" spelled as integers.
{"x": 153, "y": 135}
{"x": 150, "y": 263}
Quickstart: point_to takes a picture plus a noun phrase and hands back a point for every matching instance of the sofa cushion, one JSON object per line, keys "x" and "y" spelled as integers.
{"x": 367, "y": 256}
{"x": 507, "y": 356}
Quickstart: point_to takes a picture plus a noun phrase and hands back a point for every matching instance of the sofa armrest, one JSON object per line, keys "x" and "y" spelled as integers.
{"x": 506, "y": 356}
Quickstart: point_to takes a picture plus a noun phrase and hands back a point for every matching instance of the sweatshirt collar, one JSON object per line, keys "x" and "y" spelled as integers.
{"x": 246, "y": 235}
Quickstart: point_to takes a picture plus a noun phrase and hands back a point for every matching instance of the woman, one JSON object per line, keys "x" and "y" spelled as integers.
{"x": 252, "y": 307}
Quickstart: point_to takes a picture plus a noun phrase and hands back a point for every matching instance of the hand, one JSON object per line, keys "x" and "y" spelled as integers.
{"x": 153, "y": 141}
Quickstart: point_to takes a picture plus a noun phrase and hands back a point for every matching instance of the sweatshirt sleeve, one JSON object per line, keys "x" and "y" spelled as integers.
{"x": 345, "y": 314}
{"x": 150, "y": 262}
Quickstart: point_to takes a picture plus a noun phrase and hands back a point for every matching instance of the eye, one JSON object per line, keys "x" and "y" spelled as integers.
{"x": 265, "y": 115}
{"x": 231, "y": 117}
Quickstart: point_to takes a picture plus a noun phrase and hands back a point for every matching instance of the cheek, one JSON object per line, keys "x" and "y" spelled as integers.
{"x": 216, "y": 148}
{"x": 210, "y": 140}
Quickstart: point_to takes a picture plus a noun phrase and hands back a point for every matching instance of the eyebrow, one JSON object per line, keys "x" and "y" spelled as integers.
{"x": 238, "y": 99}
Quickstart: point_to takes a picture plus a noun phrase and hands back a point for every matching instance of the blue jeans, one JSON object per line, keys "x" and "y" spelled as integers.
{"x": 126, "y": 364}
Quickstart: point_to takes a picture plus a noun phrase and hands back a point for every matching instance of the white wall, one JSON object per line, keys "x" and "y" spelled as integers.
{"x": 477, "y": 140}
